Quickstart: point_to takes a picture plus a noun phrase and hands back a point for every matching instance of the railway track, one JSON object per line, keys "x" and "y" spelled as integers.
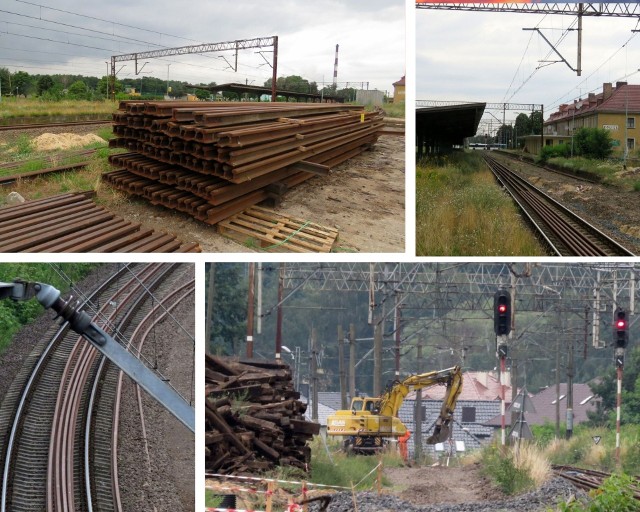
{"x": 551, "y": 169}
{"x": 564, "y": 232}
{"x": 10, "y": 127}
{"x": 587, "y": 479}
{"x": 58, "y": 429}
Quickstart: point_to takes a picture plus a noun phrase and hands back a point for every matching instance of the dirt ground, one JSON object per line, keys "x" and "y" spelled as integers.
{"x": 610, "y": 209}
{"x": 363, "y": 198}
{"x": 439, "y": 484}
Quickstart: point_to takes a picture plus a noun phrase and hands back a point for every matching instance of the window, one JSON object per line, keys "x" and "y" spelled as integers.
{"x": 468, "y": 415}
{"x": 548, "y": 142}
{"x": 631, "y": 122}
{"x": 631, "y": 143}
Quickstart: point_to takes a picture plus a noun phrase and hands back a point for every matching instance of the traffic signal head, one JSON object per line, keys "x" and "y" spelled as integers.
{"x": 620, "y": 328}
{"x": 502, "y": 313}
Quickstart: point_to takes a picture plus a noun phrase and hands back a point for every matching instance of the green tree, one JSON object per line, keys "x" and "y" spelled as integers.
{"x": 230, "y": 307}
{"x": 45, "y": 82}
{"x": 201, "y": 94}
{"x": 23, "y": 82}
{"x": 606, "y": 388}
{"x": 593, "y": 143}
{"x": 294, "y": 83}
{"x": 536, "y": 120}
{"x": 107, "y": 91}
{"x": 5, "y": 81}
{"x": 77, "y": 90}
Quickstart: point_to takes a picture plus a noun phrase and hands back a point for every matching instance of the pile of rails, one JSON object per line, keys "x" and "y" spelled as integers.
{"x": 73, "y": 222}
{"x": 215, "y": 160}
{"x": 254, "y": 418}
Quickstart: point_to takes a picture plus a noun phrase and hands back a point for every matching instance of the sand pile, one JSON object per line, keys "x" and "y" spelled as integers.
{"x": 50, "y": 141}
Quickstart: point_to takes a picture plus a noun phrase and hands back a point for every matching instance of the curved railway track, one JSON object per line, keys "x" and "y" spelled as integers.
{"x": 10, "y": 127}
{"x": 58, "y": 425}
{"x": 564, "y": 232}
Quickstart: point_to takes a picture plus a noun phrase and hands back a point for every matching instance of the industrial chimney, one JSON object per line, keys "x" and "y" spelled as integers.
{"x": 335, "y": 70}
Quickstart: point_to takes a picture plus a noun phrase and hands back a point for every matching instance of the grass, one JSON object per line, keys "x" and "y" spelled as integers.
{"x": 342, "y": 470}
{"x": 581, "y": 450}
{"x": 394, "y": 109}
{"x": 515, "y": 470}
{"x": 30, "y": 107}
{"x": 460, "y": 211}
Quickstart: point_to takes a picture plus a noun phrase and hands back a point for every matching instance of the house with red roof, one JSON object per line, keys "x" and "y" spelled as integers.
{"x": 616, "y": 109}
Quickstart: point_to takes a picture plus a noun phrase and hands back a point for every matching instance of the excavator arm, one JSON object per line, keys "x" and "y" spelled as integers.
{"x": 391, "y": 401}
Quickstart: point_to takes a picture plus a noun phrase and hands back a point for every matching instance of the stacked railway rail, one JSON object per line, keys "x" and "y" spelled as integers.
{"x": 75, "y": 223}
{"x": 588, "y": 479}
{"x": 58, "y": 428}
{"x": 564, "y": 232}
{"x": 215, "y": 161}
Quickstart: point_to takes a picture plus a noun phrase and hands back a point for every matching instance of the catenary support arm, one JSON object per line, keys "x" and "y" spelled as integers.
{"x": 81, "y": 323}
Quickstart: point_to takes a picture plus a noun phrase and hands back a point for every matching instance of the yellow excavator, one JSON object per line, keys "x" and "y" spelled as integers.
{"x": 371, "y": 421}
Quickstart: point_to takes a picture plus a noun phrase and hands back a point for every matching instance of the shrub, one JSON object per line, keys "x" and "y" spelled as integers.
{"x": 593, "y": 142}
{"x": 502, "y": 469}
{"x": 615, "y": 493}
{"x": 561, "y": 150}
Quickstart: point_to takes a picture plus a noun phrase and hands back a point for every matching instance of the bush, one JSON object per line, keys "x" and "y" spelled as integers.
{"x": 615, "y": 493}
{"x": 561, "y": 150}
{"x": 503, "y": 470}
{"x": 593, "y": 143}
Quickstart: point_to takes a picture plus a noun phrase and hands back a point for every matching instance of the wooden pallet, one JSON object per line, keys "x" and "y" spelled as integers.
{"x": 278, "y": 233}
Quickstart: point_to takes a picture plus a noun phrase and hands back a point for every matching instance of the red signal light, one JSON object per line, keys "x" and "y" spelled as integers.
{"x": 620, "y": 324}
{"x": 502, "y": 308}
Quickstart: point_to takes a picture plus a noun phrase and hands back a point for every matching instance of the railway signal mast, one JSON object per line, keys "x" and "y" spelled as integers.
{"x": 621, "y": 338}
{"x": 502, "y": 314}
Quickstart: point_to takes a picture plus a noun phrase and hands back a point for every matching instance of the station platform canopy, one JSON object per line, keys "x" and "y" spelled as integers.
{"x": 439, "y": 128}
{"x": 257, "y": 90}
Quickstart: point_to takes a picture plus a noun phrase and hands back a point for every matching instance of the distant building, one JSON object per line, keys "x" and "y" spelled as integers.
{"x": 483, "y": 386}
{"x": 616, "y": 109}
{"x": 399, "y": 91}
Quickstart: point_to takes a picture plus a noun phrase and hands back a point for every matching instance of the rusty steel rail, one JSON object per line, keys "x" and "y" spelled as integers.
{"x": 50, "y": 125}
{"x": 564, "y": 232}
{"x": 74, "y": 223}
{"x": 549, "y": 169}
{"x": 12, "y": 178}
{"x": 215, "y": 160}
{"x": 152, "y": 317}
{"x": 588, "y": 479}
{"x": 28, "y": 413}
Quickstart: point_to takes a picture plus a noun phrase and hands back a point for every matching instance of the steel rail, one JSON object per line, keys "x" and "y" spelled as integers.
{"x": 549, "y": 169}
{"x": 588, "y": 479}
{"x": 80, "y": 364}
{"x": 148, "y": 323}
{"x": 101, "y": 380}
{"x": 50, "y": 125}
{"x": 566, "y": 233}
{"x": 29, "y": 387}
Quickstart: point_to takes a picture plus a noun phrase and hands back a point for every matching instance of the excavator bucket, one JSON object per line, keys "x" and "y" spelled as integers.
{"x": 440, "y": 434}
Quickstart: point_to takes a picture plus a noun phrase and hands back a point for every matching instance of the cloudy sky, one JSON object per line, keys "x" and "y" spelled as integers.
{"x": 371, "y": 35}
{"x": 488, "y": 57}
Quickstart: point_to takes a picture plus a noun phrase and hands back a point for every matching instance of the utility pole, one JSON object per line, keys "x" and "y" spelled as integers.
{"x": 417, "y": 413}
{"x": 558, "y": 382}
{"x": 279, "y": 312}
{"x": 352, "y": 360}
{"x": 397, "y": 332}
{"x": 209, "y": 312}
{"x": 252, "y": 270}
{"x": 314, "y": 375}
{"x": 343, "y": 377}
{"x": 569, "y": 432}
{"x": 377, "y": 357}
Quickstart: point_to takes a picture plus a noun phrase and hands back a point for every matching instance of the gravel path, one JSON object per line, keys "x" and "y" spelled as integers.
{"x": 539, "y": 500}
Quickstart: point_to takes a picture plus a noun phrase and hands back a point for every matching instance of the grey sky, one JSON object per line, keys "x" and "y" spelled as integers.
{"x": 474, "y": 56}
{"x": 371, "y": 36}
